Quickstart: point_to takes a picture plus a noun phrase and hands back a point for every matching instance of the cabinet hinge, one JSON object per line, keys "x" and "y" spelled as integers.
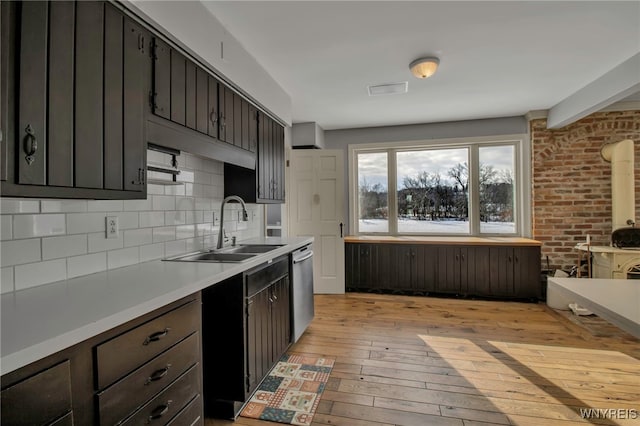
{"x": 154, "y": 50}
{"x": 152, "y": 100}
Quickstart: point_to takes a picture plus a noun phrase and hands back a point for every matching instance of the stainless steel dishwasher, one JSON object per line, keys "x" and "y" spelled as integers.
{"x": 302, "y": 289}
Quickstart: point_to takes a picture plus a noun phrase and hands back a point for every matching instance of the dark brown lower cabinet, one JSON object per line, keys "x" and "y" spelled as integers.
{"x": 247, "y": 328}
{"x": 457, "y": 270}
{"x": 147, "y": 369}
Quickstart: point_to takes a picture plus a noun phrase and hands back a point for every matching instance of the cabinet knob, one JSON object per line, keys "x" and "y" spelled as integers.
{"x": 213, "y": 116}
{"x": 160, "y": 411}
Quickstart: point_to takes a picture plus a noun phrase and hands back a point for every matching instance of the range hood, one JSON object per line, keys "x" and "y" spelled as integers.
{"x": 165, "y": 133}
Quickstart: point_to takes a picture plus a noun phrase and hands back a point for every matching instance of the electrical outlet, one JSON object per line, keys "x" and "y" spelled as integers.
{"x": 112, "y": 226}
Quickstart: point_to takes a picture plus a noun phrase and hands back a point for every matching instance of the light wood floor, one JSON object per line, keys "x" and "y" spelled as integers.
{"x": 421, "y": 361}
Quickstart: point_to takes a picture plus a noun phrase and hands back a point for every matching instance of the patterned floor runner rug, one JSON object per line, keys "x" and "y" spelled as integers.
{"x": 291, "y": 392}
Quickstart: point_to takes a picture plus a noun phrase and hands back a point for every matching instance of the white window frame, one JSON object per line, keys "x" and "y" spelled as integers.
{"x": 522, "y": 174}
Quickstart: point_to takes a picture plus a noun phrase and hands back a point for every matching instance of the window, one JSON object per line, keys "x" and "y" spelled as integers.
{"x": 373, "y": 200}
{"x": 470, "y": 187}
{"x": 432, "y": 191}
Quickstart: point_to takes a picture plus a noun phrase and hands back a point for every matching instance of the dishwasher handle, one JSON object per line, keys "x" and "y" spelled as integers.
{"x": 302, "y": 259}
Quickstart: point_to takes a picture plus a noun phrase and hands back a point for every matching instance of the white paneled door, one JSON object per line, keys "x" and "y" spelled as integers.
{"x": 316, "y": 209}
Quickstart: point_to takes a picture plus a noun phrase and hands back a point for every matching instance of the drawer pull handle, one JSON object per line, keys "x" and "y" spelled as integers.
{"x": 159, "y": 411}
{"x": 156, "y": 336}
{"x": 157, "y": 375}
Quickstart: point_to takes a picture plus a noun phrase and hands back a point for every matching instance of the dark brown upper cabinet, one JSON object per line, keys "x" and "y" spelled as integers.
{"x": 186, "y": 94}
{"x": 265, "y": 184}
{"x": 74, "y": 120}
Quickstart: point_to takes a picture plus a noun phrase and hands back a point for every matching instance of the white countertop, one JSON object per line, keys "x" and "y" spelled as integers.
{"x": 41, "y": 321}
{"x": 615, "y": 300}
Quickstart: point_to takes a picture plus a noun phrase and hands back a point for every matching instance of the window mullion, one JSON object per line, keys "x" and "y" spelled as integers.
{"x": 392, "y": 191}
{"x": 474, "y": 190}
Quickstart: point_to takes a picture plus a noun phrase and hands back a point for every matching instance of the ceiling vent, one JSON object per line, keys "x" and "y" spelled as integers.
{"x": 388, "y": 89}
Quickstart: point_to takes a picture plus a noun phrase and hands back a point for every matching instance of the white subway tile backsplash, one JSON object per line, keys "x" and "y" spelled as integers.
{"x": 40, "y": 225}
{"x": 175, "y": 218}
{"x": 6, "y": 280}
{"x": 163, "y": 202}
{"x": 165, "y": 233}
{"x": 11, "y": 206}
{"x": 104, "y": 205}
{"x": 6, "y": 227}
{"x": 193, "y": 162}
{"x": 174, "y": 190}
{"x": 185, "y": 231}
{"x": 151, "y": 219}
{"x": 87, "y": 264}
{"x": 47, "y": 240}
{"x": 66, "y": 246}
{"x": 185, "y": 203}
{"x": 186, "y": 176}
{"x": 173, "y": 248}
{"x": 137, "y": 205}
{"x": 138, "y": 237}
{"x": 127, "y": 220}
{"x": 124, "y": 257}
{"x": 151, "y": 252}
{"x": 17, "y": 252}
{"x": 34, "y": 274}
{"x": 98, "y": 242}
{"x": 63, "y": 206}
{"x": 84, "y": 223}
{"x": 194, "y": 244}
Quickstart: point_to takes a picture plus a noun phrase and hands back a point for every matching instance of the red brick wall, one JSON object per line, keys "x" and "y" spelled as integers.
{"x": 572, "y": 183}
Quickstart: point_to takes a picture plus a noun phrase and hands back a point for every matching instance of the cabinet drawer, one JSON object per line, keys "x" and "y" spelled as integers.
{"x": 190, "y": 415}
{"x": 122, "y": 354}
{"x": 170, "y": 401}
{"x": 263, "y": 276}
{"x": 39, "y": 399}
{"x": 119, "y": 400}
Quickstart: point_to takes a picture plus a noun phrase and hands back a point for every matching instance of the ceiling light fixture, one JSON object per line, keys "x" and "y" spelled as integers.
{"x": 424, "y": 67}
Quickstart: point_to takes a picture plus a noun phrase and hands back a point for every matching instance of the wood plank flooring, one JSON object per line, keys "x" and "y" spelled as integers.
{"x": 416, "y": 361}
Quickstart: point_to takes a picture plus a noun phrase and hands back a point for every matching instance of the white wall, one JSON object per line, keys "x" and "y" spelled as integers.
{"x": 194, "y": 28}
{"x": 44, "y": 241}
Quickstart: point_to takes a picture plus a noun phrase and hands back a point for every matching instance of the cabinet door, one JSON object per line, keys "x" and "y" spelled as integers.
{"x": 426, "y": 269}
{"x": 501, "y": 271}
{"x": 278, "y": 162}
{"x": 476, "y": 279}
{"x": 259, "y": 344}
{"x": 60, "y": 97}
{"x": 245, "y": 125}
{"x": 202, "y": 100}
{"x": 113, "y": 92}
{"x": 280, "y": 317}
{"x": 253, "y": 128}
{"x": 32, "y": 101}
{"x": 178, "y": 87}
{"x": 213, "y": 107}
{"x": 190, "y": 95}
{"x": 136, "y": 80}
{"x": 527, "y": 270}
{"x": 449, "y": 259}
{"x": 237, "y": 120}
{"x": 227, "y": 118}
{"x": 261, "y": 170}
{"x": 161, "y": 79}
{"x": 89, "y": 68}
{"x": 405, "y": 266}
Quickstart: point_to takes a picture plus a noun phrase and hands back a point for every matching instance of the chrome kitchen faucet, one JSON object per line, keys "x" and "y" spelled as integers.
{"x": 245, "y": 217}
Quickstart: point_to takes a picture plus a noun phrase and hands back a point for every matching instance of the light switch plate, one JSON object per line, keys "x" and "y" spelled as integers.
{"x": 112, "y": 227}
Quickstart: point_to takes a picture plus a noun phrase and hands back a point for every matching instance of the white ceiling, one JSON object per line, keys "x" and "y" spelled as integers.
{"x": 497, "y": 59}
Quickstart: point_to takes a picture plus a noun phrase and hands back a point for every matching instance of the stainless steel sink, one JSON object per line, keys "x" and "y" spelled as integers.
{"x": 213, "y": 257}
{"x": 227, "y": 255}
{"x": 253, "y": 248}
